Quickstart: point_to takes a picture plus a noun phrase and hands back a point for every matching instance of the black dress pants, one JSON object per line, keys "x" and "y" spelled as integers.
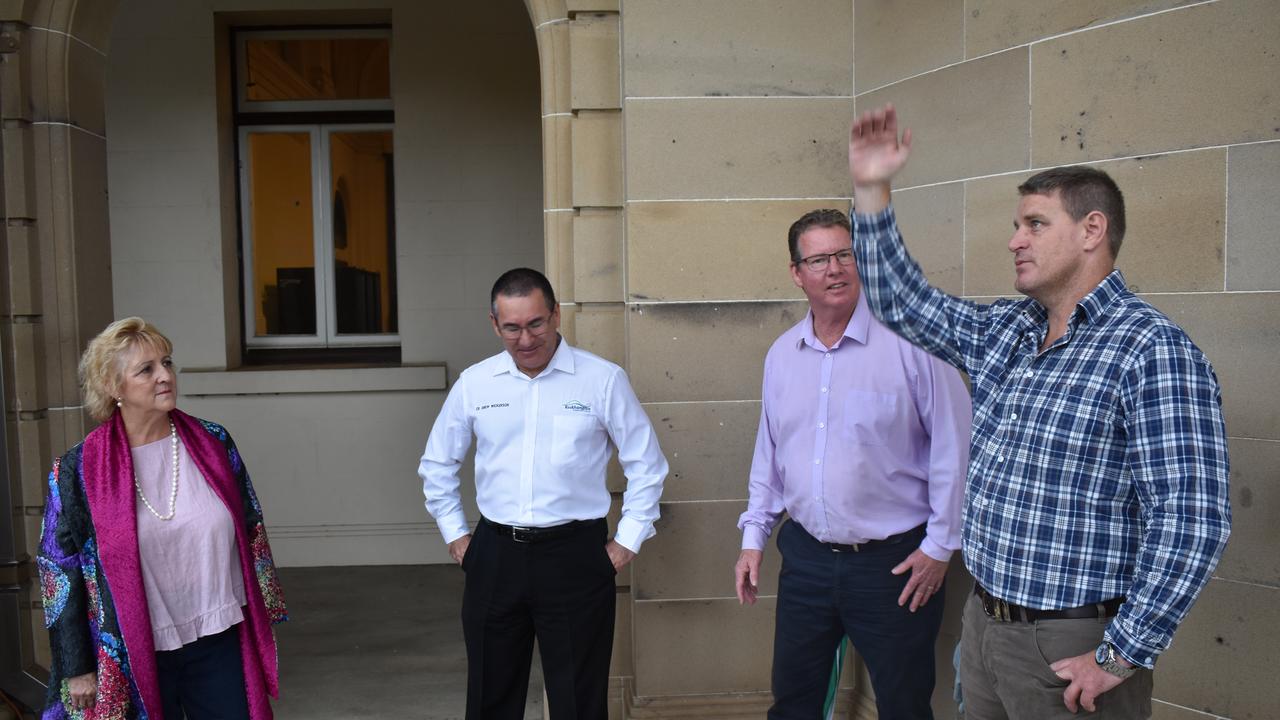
{"x": 824, "y": 596}
{"x": 560, "y": 590}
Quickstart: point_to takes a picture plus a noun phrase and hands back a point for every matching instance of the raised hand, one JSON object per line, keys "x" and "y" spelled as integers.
{"x": 876, "y": 153}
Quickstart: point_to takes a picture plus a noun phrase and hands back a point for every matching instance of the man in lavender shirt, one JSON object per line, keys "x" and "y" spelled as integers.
{"x": 863, "y": 442}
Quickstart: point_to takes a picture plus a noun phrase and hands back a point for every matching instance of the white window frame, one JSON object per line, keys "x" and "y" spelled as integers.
{"x": 323, "y": 251}
{"x": 245, "y": 105}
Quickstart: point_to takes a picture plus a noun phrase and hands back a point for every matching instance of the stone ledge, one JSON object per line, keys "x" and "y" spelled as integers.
{"x": 197, "y": 383}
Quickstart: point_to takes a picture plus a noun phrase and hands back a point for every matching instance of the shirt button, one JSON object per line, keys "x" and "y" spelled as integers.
{"x": 821, "y": 425}
{"x": 1000, "y": 459}
{"x": 824, "y": 389}
{"x": 827, "y": 355}
{"x": 1013, "y": 416}
{"x": 817, "y": 461}
{"x": 1026, "y": 374}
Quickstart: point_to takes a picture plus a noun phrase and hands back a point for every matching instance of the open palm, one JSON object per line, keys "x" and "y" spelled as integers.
{"x": 875, "y": 152}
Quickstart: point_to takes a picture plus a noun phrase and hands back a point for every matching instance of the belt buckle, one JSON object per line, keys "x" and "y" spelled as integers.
{"x": 520, "y": 535}
{"x": 1003, "y": 614}
{"x": 996, "y": 608}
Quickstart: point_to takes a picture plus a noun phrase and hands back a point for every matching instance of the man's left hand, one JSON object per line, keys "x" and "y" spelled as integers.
{"x": 1088, "y": 681}
{"x": 926, "y": 578}
{"x": 618, "y": 554}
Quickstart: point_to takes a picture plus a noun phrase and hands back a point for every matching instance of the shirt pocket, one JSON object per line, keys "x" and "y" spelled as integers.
{"x": 869, "y": 417}
{"x": 571, "y": 437}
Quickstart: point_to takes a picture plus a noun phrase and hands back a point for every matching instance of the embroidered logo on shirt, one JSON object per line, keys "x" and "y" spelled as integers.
{"x": 576, "y": 406}
{"x": 492, "y": 405}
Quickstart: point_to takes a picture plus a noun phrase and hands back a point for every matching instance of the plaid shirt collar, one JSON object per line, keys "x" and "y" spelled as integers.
{"x": 1091, "y": 308}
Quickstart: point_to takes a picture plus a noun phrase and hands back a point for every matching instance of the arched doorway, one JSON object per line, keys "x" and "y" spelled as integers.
{"x": 66, "y": 275}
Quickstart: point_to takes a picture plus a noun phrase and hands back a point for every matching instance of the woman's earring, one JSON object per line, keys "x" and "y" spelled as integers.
{"x": 119, "y": 402}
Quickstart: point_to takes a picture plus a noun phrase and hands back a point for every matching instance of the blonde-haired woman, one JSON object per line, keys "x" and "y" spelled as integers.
{"x": 159, "y": 588}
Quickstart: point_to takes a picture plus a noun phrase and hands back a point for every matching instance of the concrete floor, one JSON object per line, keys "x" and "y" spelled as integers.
{"x": 376, "y": 642}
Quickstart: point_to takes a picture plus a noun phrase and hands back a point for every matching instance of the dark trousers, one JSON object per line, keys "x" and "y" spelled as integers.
{"x": 825, "y": 595}
{"x": 560, "y": 591}
{"x": 204, "y": 680}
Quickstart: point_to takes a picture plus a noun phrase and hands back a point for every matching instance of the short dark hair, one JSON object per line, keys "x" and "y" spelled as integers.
{"x": 810, "y": 220}
{"x": 521, "y": 282}
{"x": 1083, "y": 190}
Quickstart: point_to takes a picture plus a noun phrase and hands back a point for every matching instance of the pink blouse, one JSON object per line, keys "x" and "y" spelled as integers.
{"x": 190, "y": 569}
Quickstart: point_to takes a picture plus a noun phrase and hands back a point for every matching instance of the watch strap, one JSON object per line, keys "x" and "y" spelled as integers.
{"x": 1109, "y": 661}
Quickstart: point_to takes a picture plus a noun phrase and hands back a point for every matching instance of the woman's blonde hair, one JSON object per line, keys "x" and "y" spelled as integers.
{"x": 102, "y": 365}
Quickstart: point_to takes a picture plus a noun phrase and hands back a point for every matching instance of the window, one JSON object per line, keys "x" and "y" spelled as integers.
{"x": 315, "y": 136}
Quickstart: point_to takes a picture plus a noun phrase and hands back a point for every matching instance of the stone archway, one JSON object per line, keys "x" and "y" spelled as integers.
{"x": 57, "y": 259}
{"x": 57, "y": 277}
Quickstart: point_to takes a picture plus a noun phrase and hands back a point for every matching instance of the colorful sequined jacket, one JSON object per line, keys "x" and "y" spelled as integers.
{"x": 90, "y": 573}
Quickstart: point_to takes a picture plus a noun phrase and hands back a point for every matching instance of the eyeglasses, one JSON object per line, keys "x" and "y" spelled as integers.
{"x": 818, "y": 263}
{"x": 536, "y": 328}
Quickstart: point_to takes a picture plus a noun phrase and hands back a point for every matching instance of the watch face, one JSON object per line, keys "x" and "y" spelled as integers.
{"x": 1100, "y": 655}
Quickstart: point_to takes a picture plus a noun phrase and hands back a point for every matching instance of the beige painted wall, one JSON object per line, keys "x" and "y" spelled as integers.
{"x": 335, "y": 469}
{"x": 736, "y": 115}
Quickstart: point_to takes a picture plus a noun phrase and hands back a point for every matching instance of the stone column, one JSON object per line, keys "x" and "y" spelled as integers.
{"x": 56, "y": 279}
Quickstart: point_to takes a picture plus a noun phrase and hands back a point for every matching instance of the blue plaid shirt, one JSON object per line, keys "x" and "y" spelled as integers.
{"x": 1098, "y": 468}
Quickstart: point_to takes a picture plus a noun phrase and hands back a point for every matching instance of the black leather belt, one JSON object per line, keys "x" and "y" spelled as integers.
{"x": 858, "y": 547}
{"x": 1008, "y": 612}
{"x": 538, "y": 534}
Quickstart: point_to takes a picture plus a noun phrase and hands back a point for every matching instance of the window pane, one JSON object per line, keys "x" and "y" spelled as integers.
{"x": 318, "y": 69}
{"x": 363, "y": 232}
{"x": 283, "y": 240}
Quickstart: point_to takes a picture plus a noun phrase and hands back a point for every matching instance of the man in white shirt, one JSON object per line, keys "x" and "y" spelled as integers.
{"x": 545, "y": 416}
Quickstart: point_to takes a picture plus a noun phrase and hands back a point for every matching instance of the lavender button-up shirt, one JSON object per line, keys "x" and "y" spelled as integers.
{"x": 859, "y": 441}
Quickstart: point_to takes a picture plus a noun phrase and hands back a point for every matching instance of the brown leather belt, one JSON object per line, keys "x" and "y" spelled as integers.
{"x": 1008, "y": 612}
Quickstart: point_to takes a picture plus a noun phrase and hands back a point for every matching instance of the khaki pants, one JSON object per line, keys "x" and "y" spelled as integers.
{"x": 1005, "y": 675}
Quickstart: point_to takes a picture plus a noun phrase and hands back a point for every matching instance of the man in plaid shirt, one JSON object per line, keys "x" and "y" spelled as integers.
{"x": 1096, "y": 504}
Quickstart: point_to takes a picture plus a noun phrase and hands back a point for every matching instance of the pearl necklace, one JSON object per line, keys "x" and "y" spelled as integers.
{"x": 173, "y": 493}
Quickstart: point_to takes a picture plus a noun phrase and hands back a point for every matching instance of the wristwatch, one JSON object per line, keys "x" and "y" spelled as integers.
{"x": 1109, "y": 661}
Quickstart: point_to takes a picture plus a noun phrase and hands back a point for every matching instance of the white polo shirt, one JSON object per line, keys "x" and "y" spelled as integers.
{"x": 542, "y": 446}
